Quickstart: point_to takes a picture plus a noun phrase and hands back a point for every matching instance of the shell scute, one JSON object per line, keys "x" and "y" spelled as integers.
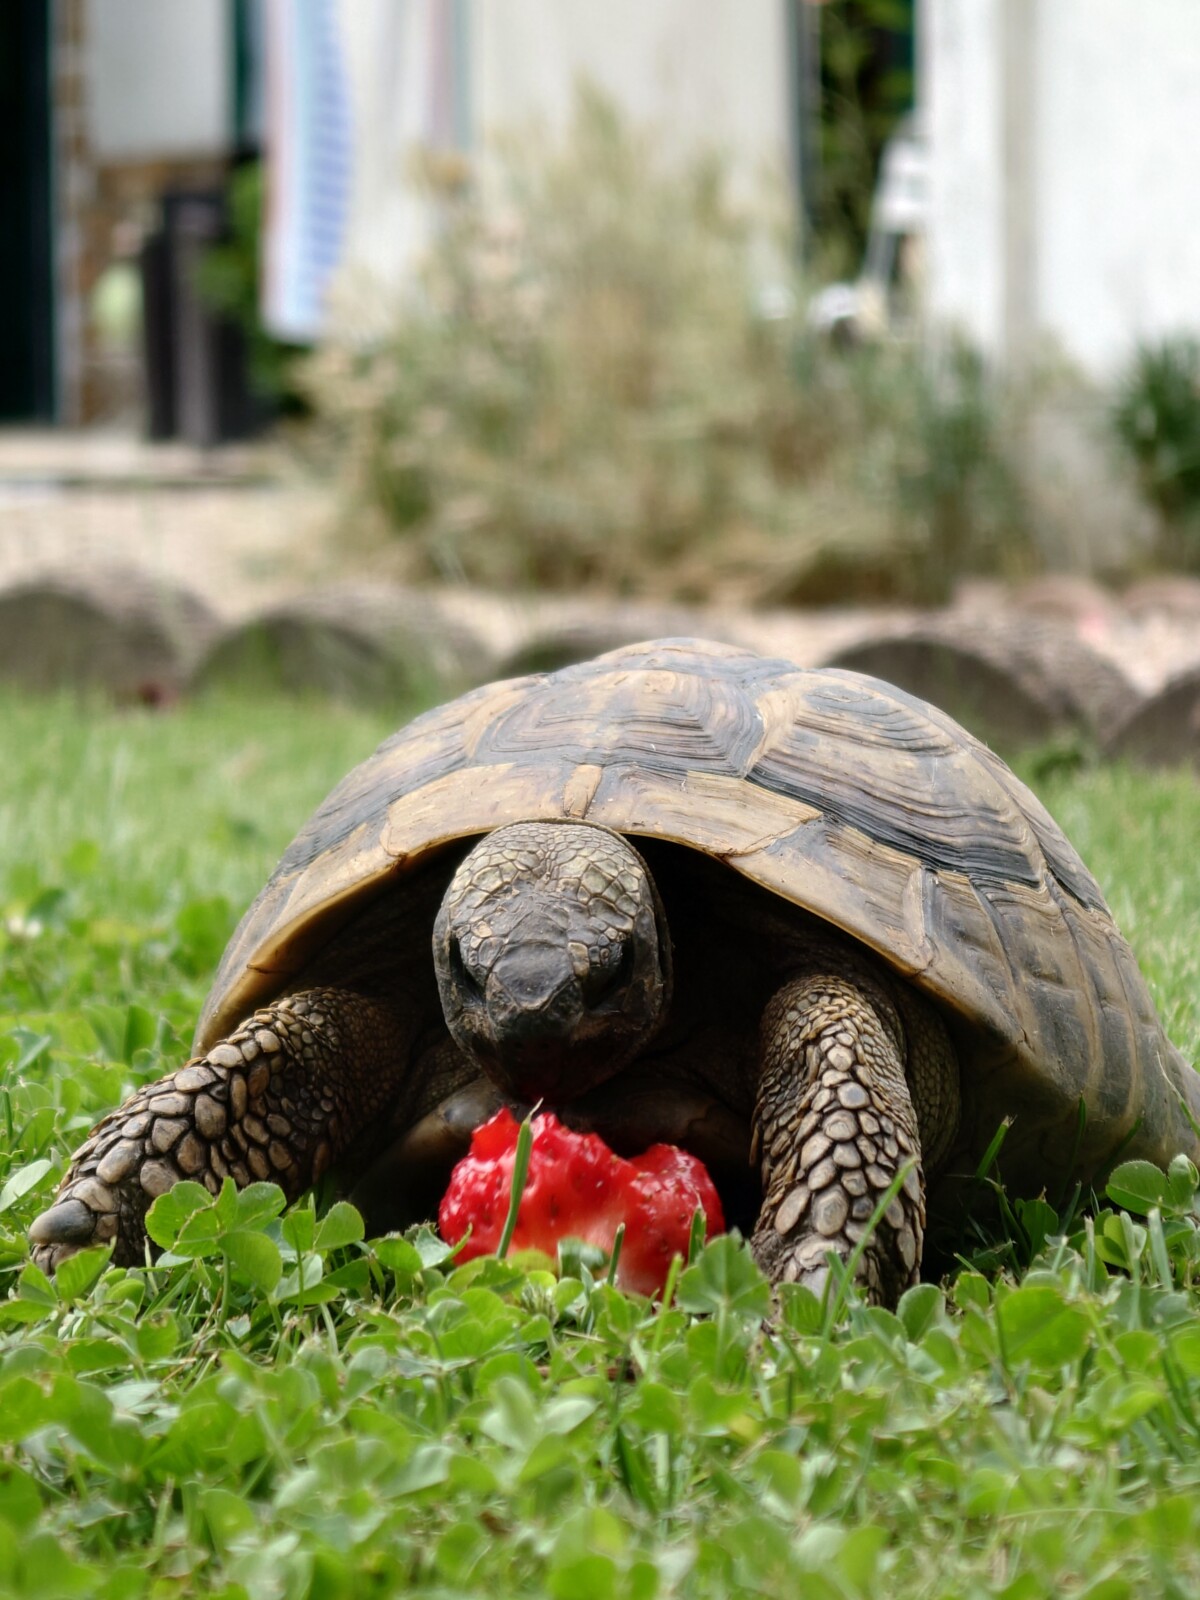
{"x": 661, "y": 720}
{"x": 901, "y": 778}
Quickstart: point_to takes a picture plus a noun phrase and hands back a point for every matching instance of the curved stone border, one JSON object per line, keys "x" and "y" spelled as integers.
{"x": 1013, "y": 681}
{"x": 1164, "y": 729}
{"x": 114, "y": 629}
{"x": 372, "y": 643}
{"x": 1066, "y": 597}
{"x": 580, "y": 632}
{"x": 1176, "y": 596}
{"x": 1017, "y": 679}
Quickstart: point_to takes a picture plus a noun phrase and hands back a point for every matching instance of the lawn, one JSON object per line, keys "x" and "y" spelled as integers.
{"x": 284, "y": 1409}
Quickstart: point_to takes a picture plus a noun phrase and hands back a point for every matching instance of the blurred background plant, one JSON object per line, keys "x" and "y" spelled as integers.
{"x": 1156, "y": 416}
{"x": 615, "y": 388}
{"x": 865, "y": 88}
{"x": 956, "y": 478}
{"x": 228, "y": 279}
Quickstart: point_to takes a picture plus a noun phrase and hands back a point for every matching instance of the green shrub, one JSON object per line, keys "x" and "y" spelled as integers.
{"x": 1156, "y": 415}
{"x": 229, "y": 278}
{"x": 589, "y": 391}
{"x": 865, "y": 86}
{"x": 955, "y": 477}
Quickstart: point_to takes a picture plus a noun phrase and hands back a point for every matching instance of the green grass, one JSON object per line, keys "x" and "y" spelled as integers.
{"x": 280, "y": 1408}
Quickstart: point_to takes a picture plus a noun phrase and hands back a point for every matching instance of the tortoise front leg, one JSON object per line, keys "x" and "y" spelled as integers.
{"x": 835, "y": 1123}
{"x": 280, "y": 1099}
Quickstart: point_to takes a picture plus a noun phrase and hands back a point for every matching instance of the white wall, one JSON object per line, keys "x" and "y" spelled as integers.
{"x": 1118, "y": 197}
{"x": 714, "y": 75}
{"x": 1110, "y": 195}
{"x": 159, "y": 78}
{"x": 959, "y": 103}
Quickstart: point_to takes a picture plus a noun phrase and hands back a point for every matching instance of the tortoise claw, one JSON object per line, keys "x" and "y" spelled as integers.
{"x": 69, "y": 1222}
{"x": 66, "y": 1228}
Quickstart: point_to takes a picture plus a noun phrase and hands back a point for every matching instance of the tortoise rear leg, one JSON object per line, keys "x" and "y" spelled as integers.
{"x": 835, "y": 1122}
{"x": 280, "y": 1099}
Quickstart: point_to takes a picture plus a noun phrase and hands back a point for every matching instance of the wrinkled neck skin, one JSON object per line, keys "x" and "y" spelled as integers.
{"x": 552, "y": 958}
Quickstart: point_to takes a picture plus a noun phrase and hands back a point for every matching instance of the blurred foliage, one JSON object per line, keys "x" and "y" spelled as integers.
{"x": 956, "y": 477}
{"x": 607, "y": 381}
{"x": 1156, "y": 415}
{"x": 866, "y": 86}
{"x": 229, "y": 281}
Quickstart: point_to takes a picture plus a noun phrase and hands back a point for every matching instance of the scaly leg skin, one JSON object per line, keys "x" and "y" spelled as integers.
{"x": 835, "y": 1122}
{"x": 279, "y": 1099}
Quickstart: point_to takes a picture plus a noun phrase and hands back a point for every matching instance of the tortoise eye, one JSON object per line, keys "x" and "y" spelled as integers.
{"x": 581, "y": 961}
{"x": 601, "y": 981}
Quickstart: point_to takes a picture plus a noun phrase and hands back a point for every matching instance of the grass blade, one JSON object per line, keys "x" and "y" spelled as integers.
{"x": 519, "y": 1179}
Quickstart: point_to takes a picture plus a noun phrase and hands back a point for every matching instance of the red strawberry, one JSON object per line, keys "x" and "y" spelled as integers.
{"x": 578, "y": 1188}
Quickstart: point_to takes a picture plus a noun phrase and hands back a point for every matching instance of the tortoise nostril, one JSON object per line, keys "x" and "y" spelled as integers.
{"x": 533, "y": 981}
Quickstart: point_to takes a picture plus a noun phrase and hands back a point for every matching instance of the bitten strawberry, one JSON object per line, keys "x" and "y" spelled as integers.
{"x": 578, "y": 1188}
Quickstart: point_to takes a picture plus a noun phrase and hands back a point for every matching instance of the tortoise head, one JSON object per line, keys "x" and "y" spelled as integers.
{"x": 552, "y": 957}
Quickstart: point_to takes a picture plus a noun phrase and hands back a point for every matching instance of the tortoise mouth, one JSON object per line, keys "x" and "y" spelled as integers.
{"x": 404, "y": 1184}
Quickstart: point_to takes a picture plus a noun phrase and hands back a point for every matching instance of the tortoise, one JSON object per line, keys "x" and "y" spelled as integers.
{"x": 798, "y": 921}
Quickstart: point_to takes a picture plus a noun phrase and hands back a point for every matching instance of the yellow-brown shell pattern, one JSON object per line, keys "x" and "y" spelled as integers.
{"x": 860, "y": 803}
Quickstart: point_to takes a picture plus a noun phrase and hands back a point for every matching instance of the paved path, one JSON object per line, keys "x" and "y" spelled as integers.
{"x": 241, "y": 526}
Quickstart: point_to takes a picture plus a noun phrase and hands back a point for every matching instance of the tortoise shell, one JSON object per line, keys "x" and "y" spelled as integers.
{"x": 863, "y": 805}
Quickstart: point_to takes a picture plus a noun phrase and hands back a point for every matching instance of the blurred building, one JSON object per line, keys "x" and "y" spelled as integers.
{"x": 444, "y": 77}
{"x": 1064, "y": 185}
{"x": 108, "y": 106}
{"x": 124, "y": 118}
{"x": 1054, "y": 140}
